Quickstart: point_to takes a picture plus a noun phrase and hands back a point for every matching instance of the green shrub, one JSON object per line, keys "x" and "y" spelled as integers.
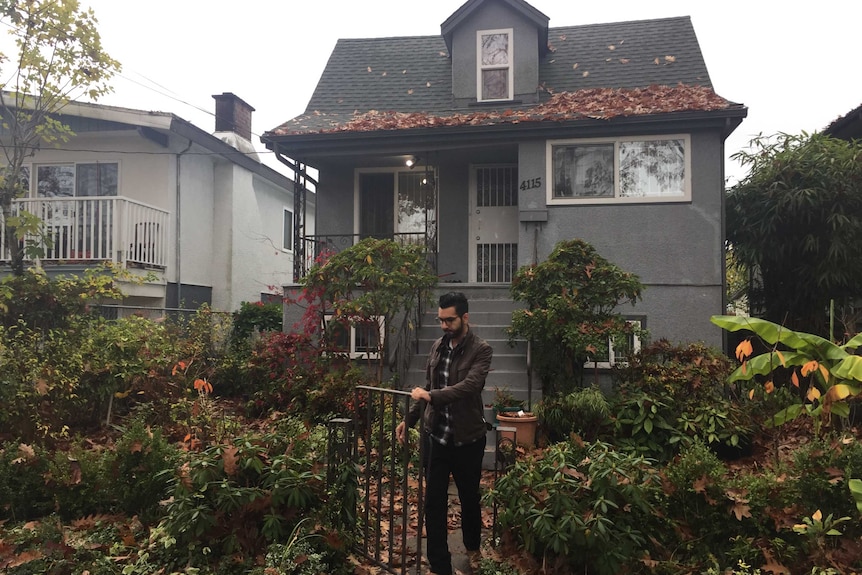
{"x": 133, "y": 470}
{"x": 668, "y": 396}
{"x": 255, "y": 316}
{"x": 696, "y": 502}
{"x": 588, "y": 505}
{"x": 73, "y": 479}
{"x": 584, "y": 411}
{"x": 22, "y": 482}
{"x": 239, "y": 496}
{"x": 573, "y": 300}
{"x": 488, "y": 566}
{"x": 823, "y": 469}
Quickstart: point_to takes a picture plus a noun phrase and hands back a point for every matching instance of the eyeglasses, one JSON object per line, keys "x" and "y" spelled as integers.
{"x": 448, "y": 320}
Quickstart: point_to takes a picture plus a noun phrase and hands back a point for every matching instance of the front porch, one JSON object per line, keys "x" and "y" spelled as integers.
{"x": 91, "y": 230}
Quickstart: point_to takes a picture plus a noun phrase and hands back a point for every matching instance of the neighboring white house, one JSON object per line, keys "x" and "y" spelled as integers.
{"x": 153, "y": 193}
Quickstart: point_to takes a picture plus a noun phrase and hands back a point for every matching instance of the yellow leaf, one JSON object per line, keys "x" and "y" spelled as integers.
{"x": 368, "y": 259}
{"x": 813, "y": 393}
{"x": 817, "y": 515}
{"x": 781, "y": 358}
{"x": 769, "y": 386}
{"x": 751, "y": 394}
{"x": 838, "y": 392}
{"x": 825, "y": 373}
{"x": 744, "y": 349}
{"x": 810, "y": 367}
{"x": 794, "y": 379}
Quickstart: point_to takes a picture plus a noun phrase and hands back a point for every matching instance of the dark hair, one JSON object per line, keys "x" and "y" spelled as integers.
{"x": 455, "y": 299}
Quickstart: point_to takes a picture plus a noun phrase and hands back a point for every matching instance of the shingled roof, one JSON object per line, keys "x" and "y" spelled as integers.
{"x": 847, "y": 127}
{"x": 592, "y": 71}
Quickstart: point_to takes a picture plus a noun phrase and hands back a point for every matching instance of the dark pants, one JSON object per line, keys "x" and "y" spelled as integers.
{"x": 464, "y": 463}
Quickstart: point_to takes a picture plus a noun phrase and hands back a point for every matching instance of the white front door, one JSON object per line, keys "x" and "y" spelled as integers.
{"x": 493, "y": 223}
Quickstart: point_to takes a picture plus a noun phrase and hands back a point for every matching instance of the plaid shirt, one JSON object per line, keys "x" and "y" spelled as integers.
{"x": 442, "y": 432}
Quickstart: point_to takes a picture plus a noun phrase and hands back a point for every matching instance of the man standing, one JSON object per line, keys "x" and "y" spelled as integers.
{"x": 454, "y": 423}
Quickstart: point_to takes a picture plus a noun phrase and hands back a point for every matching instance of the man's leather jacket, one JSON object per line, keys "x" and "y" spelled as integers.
{"x": 467, "y": 372}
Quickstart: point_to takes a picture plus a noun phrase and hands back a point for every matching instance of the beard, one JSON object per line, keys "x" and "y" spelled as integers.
{"x": 456, "y": 333}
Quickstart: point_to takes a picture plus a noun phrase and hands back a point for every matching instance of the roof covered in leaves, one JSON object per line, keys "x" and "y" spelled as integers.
{"x": 597, "y": 71}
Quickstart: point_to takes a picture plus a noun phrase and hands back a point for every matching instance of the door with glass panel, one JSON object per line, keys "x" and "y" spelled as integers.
{"x": 78, "y": 218}
{"x": 493, "y": 223}
{"x": 399, "y": 205}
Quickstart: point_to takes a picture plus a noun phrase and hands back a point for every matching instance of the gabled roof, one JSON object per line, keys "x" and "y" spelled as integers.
{"x": 540, "y": 20}
{"x": 847, "y": 127}
{"x": 412, "y": 75}
{"x": 108, "y": 118}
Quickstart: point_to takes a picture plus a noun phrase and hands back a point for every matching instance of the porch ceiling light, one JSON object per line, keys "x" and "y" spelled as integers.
{"x": 412, "y": 161}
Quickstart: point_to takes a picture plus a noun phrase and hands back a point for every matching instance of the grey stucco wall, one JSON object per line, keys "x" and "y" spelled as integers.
{"x": 677, "y": 249}
{"x": 525, "y": 45}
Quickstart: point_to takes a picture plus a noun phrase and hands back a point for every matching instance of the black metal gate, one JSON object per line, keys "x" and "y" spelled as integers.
{"x": 389, "y": 504}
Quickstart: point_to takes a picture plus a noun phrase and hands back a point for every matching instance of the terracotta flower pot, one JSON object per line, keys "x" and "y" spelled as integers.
{"x": 524, "y": 425}
{"x": 505, "y": 410}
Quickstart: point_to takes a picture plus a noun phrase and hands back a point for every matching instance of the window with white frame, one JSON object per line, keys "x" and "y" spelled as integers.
{"x": 624, "y": 170}
{"x": 360, "y": 340}
{"x": 287, "y": 230}
{"x": 70, "y": 180}
{"x": 619, "y": 350}
{"x": 494, "y": 65}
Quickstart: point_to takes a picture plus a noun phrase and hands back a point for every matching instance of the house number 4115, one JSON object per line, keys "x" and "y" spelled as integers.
{"x": 530, "y": 184}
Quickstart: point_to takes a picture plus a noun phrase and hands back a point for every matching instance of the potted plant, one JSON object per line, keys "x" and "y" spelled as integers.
{"x": 505, "y": 402}
{"x": 524, "y": 423}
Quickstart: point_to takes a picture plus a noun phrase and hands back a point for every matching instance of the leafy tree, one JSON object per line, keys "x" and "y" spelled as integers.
{"x": 572, "y": 300}
{"x": 376, "y": 278}
{"x": 796, "y": 223}
{"x": 58, "y": 58}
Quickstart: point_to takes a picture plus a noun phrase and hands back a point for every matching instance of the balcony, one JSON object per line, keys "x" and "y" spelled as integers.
{"x": 91, "y": 230}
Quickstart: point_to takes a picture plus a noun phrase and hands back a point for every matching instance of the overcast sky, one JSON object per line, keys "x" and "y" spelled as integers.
{"x": 794, "y": 68}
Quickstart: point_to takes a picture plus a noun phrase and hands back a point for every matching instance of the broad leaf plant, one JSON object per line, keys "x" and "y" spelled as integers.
{"x": 829, "y": 374}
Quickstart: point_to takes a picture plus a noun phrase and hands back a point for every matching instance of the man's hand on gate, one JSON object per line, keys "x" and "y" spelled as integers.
{"x": 401, "y": 433}
{"x": 420, "y": 393}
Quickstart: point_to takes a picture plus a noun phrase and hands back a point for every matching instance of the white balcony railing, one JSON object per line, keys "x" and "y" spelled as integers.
{"x": 94, "y": 229}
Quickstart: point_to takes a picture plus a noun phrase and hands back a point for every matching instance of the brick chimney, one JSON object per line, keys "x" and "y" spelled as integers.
{"x": 233, "y": 115}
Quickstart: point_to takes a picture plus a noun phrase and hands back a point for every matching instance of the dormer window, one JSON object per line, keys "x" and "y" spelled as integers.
{"x": 494, "y": 74}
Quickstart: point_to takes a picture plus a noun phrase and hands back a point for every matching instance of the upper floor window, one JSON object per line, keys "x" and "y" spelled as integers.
{"x": 637, "y": 169}
{"x": 494, "y": 74}
{"x": 68, "y": 180}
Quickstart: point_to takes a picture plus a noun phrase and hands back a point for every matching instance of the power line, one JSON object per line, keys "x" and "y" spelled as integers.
{"x": 172, "y": 95}
{"x": 144, "y": 153}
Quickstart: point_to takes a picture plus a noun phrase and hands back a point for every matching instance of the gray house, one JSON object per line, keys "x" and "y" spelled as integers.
{"x": 501, "y": 136}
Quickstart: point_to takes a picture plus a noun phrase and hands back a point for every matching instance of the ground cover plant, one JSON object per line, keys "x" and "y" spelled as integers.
{"x": 214, "y": 458}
